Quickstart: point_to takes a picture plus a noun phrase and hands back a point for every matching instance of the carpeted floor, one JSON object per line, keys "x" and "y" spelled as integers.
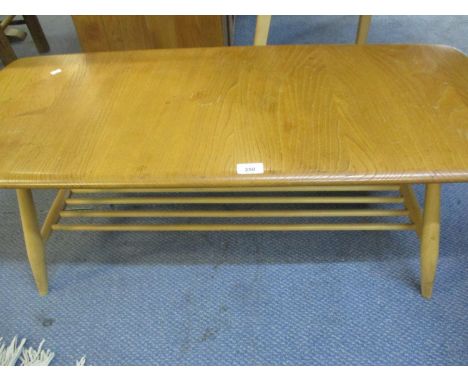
{"x": 246, "y": 298}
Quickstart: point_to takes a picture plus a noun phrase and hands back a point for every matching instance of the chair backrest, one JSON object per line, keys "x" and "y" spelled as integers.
{"x": 262, "y": 28}
{"x": 104, "y": 33}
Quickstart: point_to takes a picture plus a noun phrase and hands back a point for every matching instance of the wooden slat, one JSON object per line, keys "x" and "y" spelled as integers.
{"x": 240, "y": 189}
{"x": 238, "y": 200}
{"x": 223, "y": 214}
{"x": 53, "y": 215}
{"x": 234, "y": 227}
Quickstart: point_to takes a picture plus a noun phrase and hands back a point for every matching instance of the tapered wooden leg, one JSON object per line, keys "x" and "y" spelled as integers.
{"x": 33, "y": 239}
{"x": 363, "y": 29}
{"x": 262, "y": 29}
{"x": 430, "y": 238}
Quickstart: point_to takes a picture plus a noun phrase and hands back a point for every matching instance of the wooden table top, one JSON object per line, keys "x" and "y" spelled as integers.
{"x": 312, "y": 115}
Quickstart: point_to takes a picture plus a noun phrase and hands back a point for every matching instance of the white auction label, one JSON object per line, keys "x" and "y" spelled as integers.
{"x": 249, "y": 168}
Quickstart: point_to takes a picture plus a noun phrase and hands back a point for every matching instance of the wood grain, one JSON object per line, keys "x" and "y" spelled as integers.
{"x": 314, "y": 115}
{"x": 110, "y": 33}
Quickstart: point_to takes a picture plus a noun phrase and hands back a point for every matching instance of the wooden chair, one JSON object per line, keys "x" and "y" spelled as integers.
{"x": 7, "y": 54}
{"x": 117, "y": 33}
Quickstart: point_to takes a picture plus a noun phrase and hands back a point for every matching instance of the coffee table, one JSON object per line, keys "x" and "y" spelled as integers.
{"x": 297, "y": 133}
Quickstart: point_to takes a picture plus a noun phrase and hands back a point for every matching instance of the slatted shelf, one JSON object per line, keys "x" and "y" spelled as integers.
{"x": 74, "y": 208}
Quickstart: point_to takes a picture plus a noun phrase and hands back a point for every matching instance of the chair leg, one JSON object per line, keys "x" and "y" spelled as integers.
{"x": 430, "y": 238}
{"x": 33, "y": 239}
{"x": 7, "y": 54}
{"x": 363, "y": 29}
{"x": 37, "y": 33}
{"x": 262, "y": 29}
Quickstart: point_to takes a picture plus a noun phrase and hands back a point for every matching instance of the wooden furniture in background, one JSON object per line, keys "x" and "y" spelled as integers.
{"x": 7, "y": 54}
{"x": 109, "y": 33}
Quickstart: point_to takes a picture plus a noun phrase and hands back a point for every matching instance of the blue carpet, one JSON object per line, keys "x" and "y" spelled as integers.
{"x": 299, "y": 298}
{"x": 240, "y": 298}
{"x": 447, "y": 30}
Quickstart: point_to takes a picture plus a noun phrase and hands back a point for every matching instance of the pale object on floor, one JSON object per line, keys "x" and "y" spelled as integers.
{"x": 39, "y": 357}
{"x": 9, "y": 355}
{"x": 81, "y": 362}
